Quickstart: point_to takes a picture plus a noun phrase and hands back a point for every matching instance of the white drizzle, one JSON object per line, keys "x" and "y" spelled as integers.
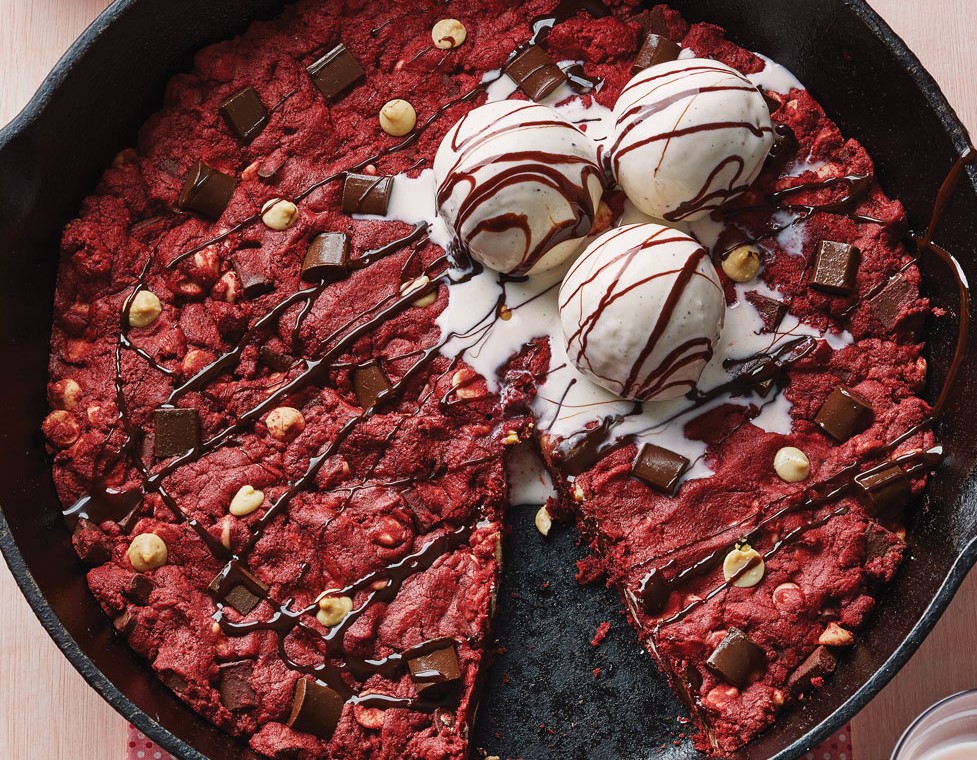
{"x": 471, "y": 308}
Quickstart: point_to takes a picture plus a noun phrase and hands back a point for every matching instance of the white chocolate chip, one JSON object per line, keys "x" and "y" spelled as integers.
{"x": 543, "y": 521}
{"x": 61, "y": 428}
{"x": 226, "y": 532}
{"x": 144, "y": 309}
{"x": 285, "y": 423}
{"x": 412, "y": 286}
{"x": 578, "y": 494}
{"x": 448, "y": 33}
{"x": 736, "y": 563}
{"x": 279, "y": 214}
{"x": 124, "y": 157}
{"x": 463, "y": 381}
{"x": 369, "y": 717}
{"x": 836, "y": 636}
{"x": 792, "y": 464}
{"x": 246, "y": 501}
{"x": 147, "y": 552}
{"x": 788, "y": 596}
{"x": 333, "y": 610}
{"x": 720, "y": 696}
{"x": 67, "y": 394}
{"x": 742, "y": 263}
{"x": 398, "y": 118}
{"x": 230, "y": 286}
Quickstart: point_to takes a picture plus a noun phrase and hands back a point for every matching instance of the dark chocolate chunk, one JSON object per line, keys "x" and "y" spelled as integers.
{"x": 811, "y": 673}
{"x": 655, "y": 50}
{"x": 125, "y": 623}
{"x": 370, "y": 384}
{"x": 327, "y": 258}
{"x": 252, "y": 273}
{"x": 174, "y": 680}
{"x": 275, "y": 361}
{"x": 652, "y": 21}
{"x": 694, "y": 677}
{"x": 238, "y": 587}
{"x": 336, "y": 72}
{"x": 535, "y": 72}
{"x": 844, "y": 414}
{"x": 653, "y": 592}
{"x": 206, "y": 191}
{"x": 316, "y": 709}
{"x": 885, "y": 491}
{"x": 879, "y": 542}
{"x": 232, "y": 684}
{"x": 736, "y": 658}
{"x": 889, "y": 303}
{"x": 784, "y": 142}
{"x": 835, "y": 268}
{"x": 139, "y": 589}
{"x": 433, "y": 669}
{"x": 366, "y": 194}
{"x": 659, "y": 468}
{"x": 772, "y": 311}
{"x": 177, "y": 431}
{"x": 245, "y": 114}
{"x": 91, "y": 544}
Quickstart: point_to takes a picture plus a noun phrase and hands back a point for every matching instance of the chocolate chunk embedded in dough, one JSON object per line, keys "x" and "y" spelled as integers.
{"x": 885, "y": 491}
{"x": 177, "y": 431}
{"x": 653, "y": 592}
{"x": 366, "y": 194}
{"x": 844, "y": 414}
{"x": 659, "y": 468}
{"x": 435, "y": 669}
{"x": 535, "y": 72}
{"x": 245, "y": 114}
{"x": 238, "y": 587}
{"x": 890, "y": 302}
{"x": 736, "y": 658}
{"x": 232, "y": 684}
{"x": 655, "y": 50}
{"x": 810, "y": 674}
{"x": 370, "y": 384}
{"x": 835, "y": 268}
{"x": 327, "y": 258}
{"x": 206, "y": 191}
{"x": 315, "y": 709}
{"x": 336, "y": 72}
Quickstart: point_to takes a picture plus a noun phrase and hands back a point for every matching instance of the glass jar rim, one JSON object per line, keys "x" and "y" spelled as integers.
{"x": 900, "y": 745}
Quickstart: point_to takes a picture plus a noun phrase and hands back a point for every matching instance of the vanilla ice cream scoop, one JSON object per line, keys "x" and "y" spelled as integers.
{"x": 689, "y": 136}
{"x": 519, "y": 185}
{"x": 641, "y": 310}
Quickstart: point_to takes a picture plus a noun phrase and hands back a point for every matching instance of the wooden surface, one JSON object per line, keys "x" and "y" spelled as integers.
{"x": 46, "y": 709}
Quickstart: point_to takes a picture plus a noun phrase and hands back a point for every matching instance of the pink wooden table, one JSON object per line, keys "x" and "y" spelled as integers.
{"x": 46, "y": 709}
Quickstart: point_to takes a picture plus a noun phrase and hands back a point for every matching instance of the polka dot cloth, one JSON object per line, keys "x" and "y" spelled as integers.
{"x": 838, "y": 747}
{"x": 140, "y": 748}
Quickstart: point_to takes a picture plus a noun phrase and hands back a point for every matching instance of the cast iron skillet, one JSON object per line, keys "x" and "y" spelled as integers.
{"x": 553, "y": 706}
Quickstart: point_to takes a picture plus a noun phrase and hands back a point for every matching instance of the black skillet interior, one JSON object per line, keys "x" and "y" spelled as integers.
{"x": 556, "y": 704}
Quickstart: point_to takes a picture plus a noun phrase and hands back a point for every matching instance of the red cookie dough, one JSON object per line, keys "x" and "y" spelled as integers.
{"x": 398, "y": 506}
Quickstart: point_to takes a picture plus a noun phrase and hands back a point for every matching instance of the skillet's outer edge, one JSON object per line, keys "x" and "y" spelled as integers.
{"x": 966, "y": 560}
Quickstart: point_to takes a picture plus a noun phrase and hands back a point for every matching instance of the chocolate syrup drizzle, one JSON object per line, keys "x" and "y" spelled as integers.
{"x": 338, "y": 668}
{"x": 656, "y": 587}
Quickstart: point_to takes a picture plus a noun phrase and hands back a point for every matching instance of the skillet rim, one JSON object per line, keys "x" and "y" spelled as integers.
{"x": 964, "y": 562}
